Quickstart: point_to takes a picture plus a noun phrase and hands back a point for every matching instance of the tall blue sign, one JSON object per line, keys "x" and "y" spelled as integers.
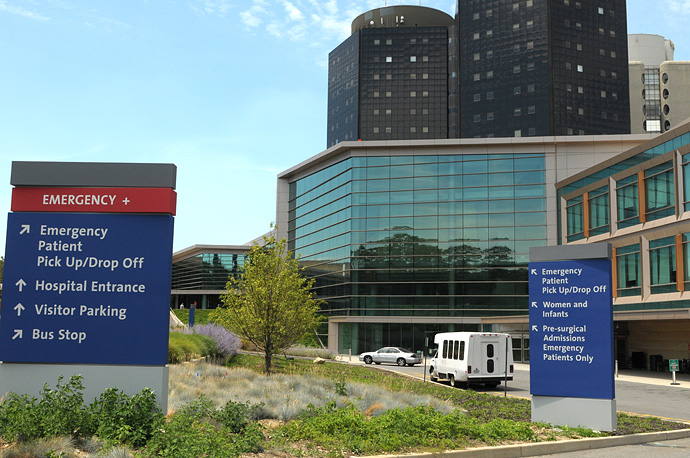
{"x": 86, "y": 288}
{"x": 571, "y": 329}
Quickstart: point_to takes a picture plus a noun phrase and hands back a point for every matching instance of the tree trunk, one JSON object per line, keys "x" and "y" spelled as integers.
{"x": 267, "y": 361}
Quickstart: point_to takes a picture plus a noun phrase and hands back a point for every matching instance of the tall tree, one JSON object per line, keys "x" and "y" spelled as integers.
{"x": 270, "y": 303}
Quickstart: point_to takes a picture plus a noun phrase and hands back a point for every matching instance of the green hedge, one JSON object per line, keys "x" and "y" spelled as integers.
{"x": 185, "y": 347}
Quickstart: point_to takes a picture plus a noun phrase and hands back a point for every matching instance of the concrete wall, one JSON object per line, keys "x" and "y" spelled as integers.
{"x": 675, "y": 93}
{"x": 635, "y": 70}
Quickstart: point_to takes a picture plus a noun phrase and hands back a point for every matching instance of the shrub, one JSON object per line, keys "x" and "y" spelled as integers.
{"x": 198, "y": 429}
{"x": 227, "y": 343}
{"x": 185, "y": 347}
{"x": 120, "y": 419}
{"x": 59, "y": 412}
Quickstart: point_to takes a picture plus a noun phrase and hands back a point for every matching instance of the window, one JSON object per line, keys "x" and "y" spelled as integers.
{"x": 662, "y": 263}
{"x": 489, "y": 13}
{"x": 389, "y": 76}
{"x": 376, "y": 130}
{"x": 575, "y": 219}
{"x": 476, "y": 77}
{"x": 388, "y": 130}
{"x": 475, "y": 36}
{"x": 425, "y": 76}
{"x": 389, "y": 111}
{"x": 600, "y": 10}
{"x": 613, "y": 54}
{"x": 598, "y": 211}
{"x": 425, "y": 93}
{"x": 531, "y": 109}
{"x": 532, "y": 131}
{"x": 612, "y": 33}
{"x": 376, "y": 93}
{"x": 413, "y": 129}
{"x": 490, "y": 95}
{"x": 425, "y": 129}
{"x": 516, "y": 6}
{"x": 627, "y": 201}
{"x": 628, "y": 270}
{"x": 579, "y": 47}
{"x": 516, "y": 69}
{"x": 389, "y": 59}
{"x": 517, "y": 111}
{"x": 490, "y": 74}
{"x": 413, "y": 58}
{"x": 529, "y": 3}
{"x": 476, "y": 56}
{"x": 425, "y": 58}
{"x": 580, "y": 90}
{"x": 580, "y": 69}
{"x": 530, "y": 45}
{"x": 581, "y": 111}
{"x": 489, "y": 33}
{"x": 377, "y": 42}
{"x": 376, "y": 76}
{"x": 413, "y": 76}
{"x": 389, "y": 41}
{"x": 516, "y": 48}
{"x": 388, "y": 94}
{"x": 489, "y": 54}
{"x": 530, "y": 66}
{"x": 477, "y": 118}
{"x": 477, "y": 97}
{"x": 516, "y": 26}
{"x": 413, "y": 111}
{"x": 376, "y": 112}
{"x": 530, "y": 88}
{"x": 530, "y": 24}
{"x": 475, "y": 16}
{"x": 568, "y": 66}
{"x": 517, "y": 90}
{"x": 659, "y": 187}
{"x": 603, "y": 94}
{"x": 413, "y": 93}
{"x": 490, "y": 116}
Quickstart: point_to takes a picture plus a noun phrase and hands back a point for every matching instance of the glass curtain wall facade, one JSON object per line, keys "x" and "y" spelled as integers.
{"x": 419, "y": 236}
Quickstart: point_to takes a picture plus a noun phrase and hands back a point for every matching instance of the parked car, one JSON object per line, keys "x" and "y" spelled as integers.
{"x": 392, "y": 355}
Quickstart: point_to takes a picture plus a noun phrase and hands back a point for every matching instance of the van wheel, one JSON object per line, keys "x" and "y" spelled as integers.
{"x": 432, "y": 377}
{"x": 368, "y": 360}
{"x": 401, "y": 361}
{"x": 451, "y": 379}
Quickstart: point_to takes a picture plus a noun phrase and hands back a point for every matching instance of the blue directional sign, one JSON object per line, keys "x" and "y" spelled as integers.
{"x": 571, "y": 329}
{"x": 86, "y": 288}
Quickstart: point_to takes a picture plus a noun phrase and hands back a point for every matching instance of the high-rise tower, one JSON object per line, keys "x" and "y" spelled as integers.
{"x": 543, "y": 67}
{"x": 393, "y": 77}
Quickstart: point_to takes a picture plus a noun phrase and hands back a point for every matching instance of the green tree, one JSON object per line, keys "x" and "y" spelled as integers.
{"x": 270, "y": 303}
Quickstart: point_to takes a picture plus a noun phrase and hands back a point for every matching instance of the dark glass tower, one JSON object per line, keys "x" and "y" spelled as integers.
{"x": 543, "y": 67}
{"x": 390, "y": 79}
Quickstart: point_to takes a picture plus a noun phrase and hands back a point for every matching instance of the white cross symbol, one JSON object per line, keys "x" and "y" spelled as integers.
{"x": 125, "y": 201}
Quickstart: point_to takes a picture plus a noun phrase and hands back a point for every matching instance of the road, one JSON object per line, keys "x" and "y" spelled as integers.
{"x": 636, "y": 392}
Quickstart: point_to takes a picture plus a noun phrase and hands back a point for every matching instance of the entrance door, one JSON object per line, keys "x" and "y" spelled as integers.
{"x": 490, "y": 357}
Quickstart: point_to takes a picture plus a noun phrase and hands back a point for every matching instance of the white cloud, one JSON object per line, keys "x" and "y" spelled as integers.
{"x": 4, "y": 7}
{"x": 680, "y": 6}
{"x": 251, "y": 17}
{"x": 293, "y": 13}
{"x": 212, "y": 7}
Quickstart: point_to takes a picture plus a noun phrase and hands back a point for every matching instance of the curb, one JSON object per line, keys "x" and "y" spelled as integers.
{"x": 549, "y": 448}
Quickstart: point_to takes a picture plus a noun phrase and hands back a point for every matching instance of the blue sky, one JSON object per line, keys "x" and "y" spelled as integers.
{"x": 231, "y": 91}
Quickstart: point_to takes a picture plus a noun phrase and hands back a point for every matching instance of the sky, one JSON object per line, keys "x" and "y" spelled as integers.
{"x": 232, "y": 92}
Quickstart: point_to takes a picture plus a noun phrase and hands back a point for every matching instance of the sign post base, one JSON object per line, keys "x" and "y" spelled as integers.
{"x": 598, "y": 414}
{"x": 30, "y": 378}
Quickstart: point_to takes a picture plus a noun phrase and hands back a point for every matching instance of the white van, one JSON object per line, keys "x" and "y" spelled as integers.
{"x": 472, "y": 357}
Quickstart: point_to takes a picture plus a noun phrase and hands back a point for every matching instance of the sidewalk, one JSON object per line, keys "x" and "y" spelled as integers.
{"x": 638, "y": 376}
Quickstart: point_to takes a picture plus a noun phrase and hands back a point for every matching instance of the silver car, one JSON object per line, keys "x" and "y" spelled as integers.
{"x": 392, "y": 355}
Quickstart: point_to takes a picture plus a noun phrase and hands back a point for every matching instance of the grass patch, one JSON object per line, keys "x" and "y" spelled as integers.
{"x": 185, "y": 347}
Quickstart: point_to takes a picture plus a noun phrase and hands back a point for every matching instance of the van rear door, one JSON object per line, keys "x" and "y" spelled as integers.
{"x": 490, "y": 357}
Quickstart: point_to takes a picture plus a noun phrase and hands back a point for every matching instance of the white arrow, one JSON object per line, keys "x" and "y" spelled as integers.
{"x": 21, "y": 283}
{"x": 25, "y": 229}
{"x": 534, "y": 304}
{"x": 535, "y": 328}
{"x": 534, "y": 272}
{"x": 17, "y": 333}
{"x": 19, "y": 307}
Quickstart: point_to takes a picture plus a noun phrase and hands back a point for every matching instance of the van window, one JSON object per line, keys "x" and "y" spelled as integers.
{"x": 490, "y": 351}
{"x": 445, "y": 349}
{"x": 456, "y": 347}
{"x": 490, "y": 366}
{"x": 462, "y": 350}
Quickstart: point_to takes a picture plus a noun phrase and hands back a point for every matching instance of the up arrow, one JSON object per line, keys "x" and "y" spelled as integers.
{"x": 19, "y": 307}
{"x": 17, "y": 333}
{"x": 534, "y": 304}
{"x": 535, "y": 328}
{"x": 25, "y": 229}
{"x": 534, "y": 272}
{"x": 21, "y": 284}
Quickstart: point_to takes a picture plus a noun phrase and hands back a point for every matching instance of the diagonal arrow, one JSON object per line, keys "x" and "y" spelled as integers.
{"x": 25, "y": 229}
{"x": 534, "y": 272}
{"x": 19, "y": 307}
{"x": 17, "y": 333}
{"x": 534, "y": 304}
{"x": 535, "y": 328}
{"x": 21, "y": 284}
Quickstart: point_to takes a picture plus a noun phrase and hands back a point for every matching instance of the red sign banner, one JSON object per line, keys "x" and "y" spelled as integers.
{"x": 94, "y": 200}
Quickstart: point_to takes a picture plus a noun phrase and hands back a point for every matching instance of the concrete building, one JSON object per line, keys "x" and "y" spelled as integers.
{"x": 659, "y": 86}
{"x": 410, "y": 238}
{"x": 639, "y": 201}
